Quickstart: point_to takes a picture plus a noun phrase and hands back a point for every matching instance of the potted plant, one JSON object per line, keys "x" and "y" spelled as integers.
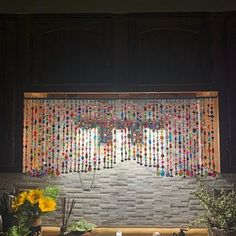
{"x": 79, "y": 228}
{"x": 220, "y": 211}
{"x": 28, "y": 206}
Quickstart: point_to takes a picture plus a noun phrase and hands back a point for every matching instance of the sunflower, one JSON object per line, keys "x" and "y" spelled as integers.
{"x": 47, "y": 204}
{"x": 34, "y": 195}
{"x": 19, "y": 201}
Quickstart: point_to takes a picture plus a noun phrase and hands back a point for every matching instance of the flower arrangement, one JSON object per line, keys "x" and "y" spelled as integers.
{"x": 30, "y": 205}
{"x": 220, "y": 209}
{"x": 34, "y": 202}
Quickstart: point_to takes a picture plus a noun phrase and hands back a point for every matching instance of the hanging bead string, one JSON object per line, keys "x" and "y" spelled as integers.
{"x": 157, "y": 139}
{"x": 99, "y": 136}
{"x": 210, "y": 111}
{"x": 145, "y": 135}
{"x": 133, "y": 132}
{"x": 149, "y": 143}
{"x": 153, "y": 128}
{"x": 208, "y": 134}
{"x": 212, "y": 137}
{"x": 71, "y": 137}
{"x": 203, "y": 138}
{"x": 177, "y": 137}
{"x": 197, "y": 157}
{"x": 191, "y": 139}
{"x": 167, "y": 113}
{"x": 38, "y": 137}
{"x": 111, "y": 125}
{"x": 184, "y": 131}
{"x": 170, "y": 126}
{"x": 122, "y": 133}
{"x": 45, "y": 158}
{"x": 40, "y": 134}
{"x": 179, "y": 141}
{"x": 138, "y": 136}
{"x": 32, "y": 166}
{"x": 58, "y": 136}
{"x": 74, "y": 138}
{"x": 196, "y": 153}
{"x": 161, "y": 137}
{"x": 49, "y": 137}
{"x": 26, "y": 136}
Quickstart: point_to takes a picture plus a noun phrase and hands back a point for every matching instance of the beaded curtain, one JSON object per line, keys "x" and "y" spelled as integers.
{"x": 174, "y": 136}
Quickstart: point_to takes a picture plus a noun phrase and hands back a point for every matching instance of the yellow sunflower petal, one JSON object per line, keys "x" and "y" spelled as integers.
{"x": 47, "y": 204}
{"x": 34, "y": 195}
{"x": 20, "y": 200}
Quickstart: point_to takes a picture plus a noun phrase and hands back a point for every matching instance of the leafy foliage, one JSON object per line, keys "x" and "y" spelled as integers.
{"x": 5, "y": 212}
{"x": 18, "y": 230}
{"x": 51, "y": 192}
{"x": 4, "y": 204}
{"x": 81, "y": 226}
{"x": 220, "y": 210}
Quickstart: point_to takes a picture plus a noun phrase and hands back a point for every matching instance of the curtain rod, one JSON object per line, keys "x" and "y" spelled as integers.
{"x": 106, "y": 99}
{"x": 121, "y": 95}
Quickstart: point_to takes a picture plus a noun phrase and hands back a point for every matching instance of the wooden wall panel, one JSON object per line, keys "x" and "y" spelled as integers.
{"x": 8, "y": 55}
{"x": 170, "y": 50}
{"x": 231, "y": 69}
{"x": 71, "y": 51}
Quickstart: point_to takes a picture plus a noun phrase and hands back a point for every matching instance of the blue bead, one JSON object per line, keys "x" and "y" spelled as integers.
{"x": 167, "y": 174}
{"x": 162, "y": 172}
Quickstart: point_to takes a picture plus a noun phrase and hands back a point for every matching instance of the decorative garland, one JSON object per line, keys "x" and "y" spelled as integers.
{"x": 175, "y": 136}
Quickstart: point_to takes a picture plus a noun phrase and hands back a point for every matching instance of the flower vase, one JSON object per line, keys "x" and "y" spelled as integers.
{"x": 36, "y": 227}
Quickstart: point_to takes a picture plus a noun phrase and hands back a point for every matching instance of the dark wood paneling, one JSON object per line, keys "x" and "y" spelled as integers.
{"x": 71, "y": 51}
{"x": 219, "y": 82}
{"x": 169, "y": 50}
{"x": 231, "y": 59}
{"x": 8, "y": 55}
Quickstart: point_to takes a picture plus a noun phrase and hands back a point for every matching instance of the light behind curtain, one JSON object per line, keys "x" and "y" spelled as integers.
{"x": 173, "y": 136}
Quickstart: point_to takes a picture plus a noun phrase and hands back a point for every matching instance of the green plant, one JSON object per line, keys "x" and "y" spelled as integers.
{"x": 18, "y": 230}
{"x": 4, "y": 204}
{"x": 81, "y": 226}
{"x": 220, "y": 209}
{"x": 51, "y": 192}
{"x": 5, "y": 212}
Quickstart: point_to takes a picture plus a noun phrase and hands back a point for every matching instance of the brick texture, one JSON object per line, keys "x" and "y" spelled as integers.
{"x": 127, "y": 195}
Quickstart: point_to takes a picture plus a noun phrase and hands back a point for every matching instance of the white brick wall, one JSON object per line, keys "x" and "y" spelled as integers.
{"x": 128, "y": 195}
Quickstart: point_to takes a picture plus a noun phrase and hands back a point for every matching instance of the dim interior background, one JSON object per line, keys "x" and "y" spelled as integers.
{"x": 202, "y": 57}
